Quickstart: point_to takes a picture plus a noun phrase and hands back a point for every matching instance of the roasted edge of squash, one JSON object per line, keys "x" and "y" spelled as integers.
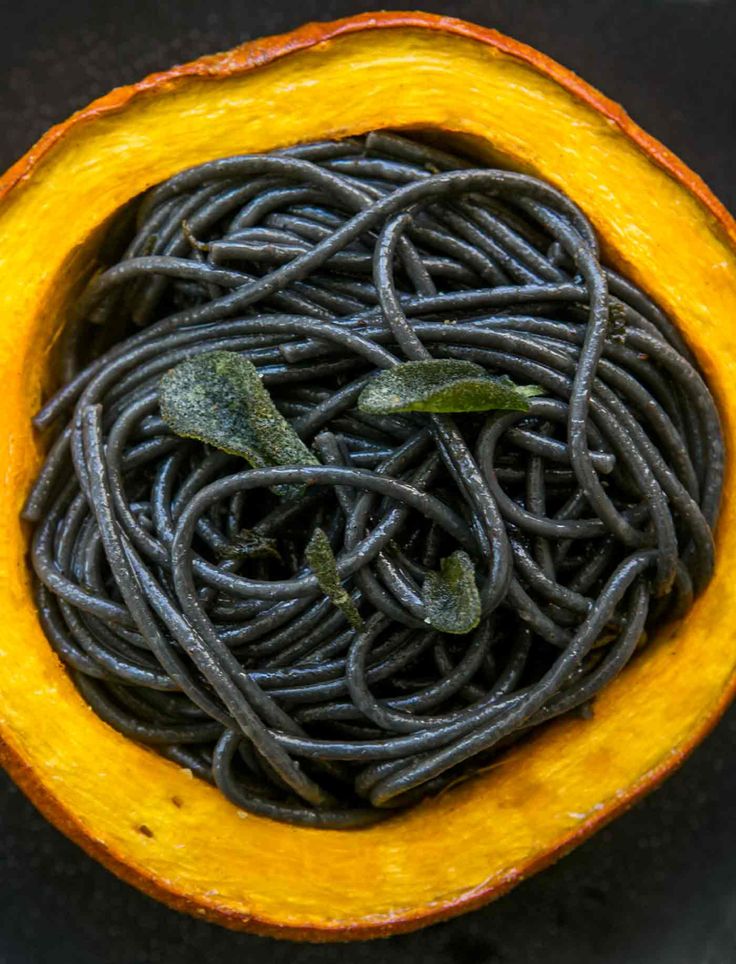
{"x": 148, "y": 820}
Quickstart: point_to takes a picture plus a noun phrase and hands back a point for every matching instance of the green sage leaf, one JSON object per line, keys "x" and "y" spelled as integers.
{"x": 451, "y": 596}
{"x": 218, "y": 398}
{"x": 442, "y": 385}
{"x": 250, "y": 544}
{"x": 322, "y": 562}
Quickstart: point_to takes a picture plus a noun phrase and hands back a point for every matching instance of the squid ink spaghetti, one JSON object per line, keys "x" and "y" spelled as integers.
{"x": 363, "y": 465}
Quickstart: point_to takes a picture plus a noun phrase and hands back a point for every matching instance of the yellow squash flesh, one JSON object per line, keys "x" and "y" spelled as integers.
{"x": 476, "y": 839}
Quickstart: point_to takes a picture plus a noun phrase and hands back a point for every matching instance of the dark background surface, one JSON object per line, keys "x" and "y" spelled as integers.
{"x": 658, "y": 886}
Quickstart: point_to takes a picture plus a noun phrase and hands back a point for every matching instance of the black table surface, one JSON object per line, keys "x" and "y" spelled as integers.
{"x": 656, "y": 887}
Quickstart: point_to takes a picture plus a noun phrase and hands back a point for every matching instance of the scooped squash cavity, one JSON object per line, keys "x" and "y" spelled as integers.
{"x": 149, "y": 820}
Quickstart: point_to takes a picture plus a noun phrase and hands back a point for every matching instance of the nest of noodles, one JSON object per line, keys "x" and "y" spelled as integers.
{"x": 341, "y": 629}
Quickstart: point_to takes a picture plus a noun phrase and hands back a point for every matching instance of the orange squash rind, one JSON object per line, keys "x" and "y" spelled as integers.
{"x": 150, "y": 821}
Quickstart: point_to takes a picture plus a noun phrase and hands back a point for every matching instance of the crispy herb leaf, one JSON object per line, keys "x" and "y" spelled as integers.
{"x": 218, "y": 398}
{"x": 250, "y": 544}
{"x": 322, "y": 562}
{"x": 451, "y": 596}
{"x": 442, "y": 385}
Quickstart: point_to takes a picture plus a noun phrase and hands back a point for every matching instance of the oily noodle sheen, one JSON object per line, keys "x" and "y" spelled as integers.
{"x": 172, "y": 578}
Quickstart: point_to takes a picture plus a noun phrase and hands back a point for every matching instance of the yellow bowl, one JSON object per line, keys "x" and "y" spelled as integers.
{"x": 660, "y": 224}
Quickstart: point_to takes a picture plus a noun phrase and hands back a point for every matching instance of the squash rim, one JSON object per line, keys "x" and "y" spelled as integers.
{"x": 241, "y": 59}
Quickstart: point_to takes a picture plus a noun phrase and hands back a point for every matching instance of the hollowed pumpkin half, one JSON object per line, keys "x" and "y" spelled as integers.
{"x": 150, "y": 821}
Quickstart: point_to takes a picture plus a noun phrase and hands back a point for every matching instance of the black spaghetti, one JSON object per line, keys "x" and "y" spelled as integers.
{"x": 363, "y": 465}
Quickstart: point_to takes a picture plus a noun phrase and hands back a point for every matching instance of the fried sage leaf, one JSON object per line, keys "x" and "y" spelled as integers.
{"x": 250, "y": 544}
{"x": 322, "y": 562}
{"x": 442, "y": 385}
{"x": 451, "y": 595}
{"x": 218, "y": 398}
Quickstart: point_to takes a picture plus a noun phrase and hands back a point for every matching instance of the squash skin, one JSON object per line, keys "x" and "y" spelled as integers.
{"x": 423, "y": 888}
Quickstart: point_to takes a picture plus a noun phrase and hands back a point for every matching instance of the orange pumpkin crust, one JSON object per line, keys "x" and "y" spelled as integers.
{"x": 26, "y": 779}
{"x": 259, "y": 53}
{"x": 242, "y": 59}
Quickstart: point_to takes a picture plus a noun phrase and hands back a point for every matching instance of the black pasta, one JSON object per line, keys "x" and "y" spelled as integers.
{"x": 181, "y": 585}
